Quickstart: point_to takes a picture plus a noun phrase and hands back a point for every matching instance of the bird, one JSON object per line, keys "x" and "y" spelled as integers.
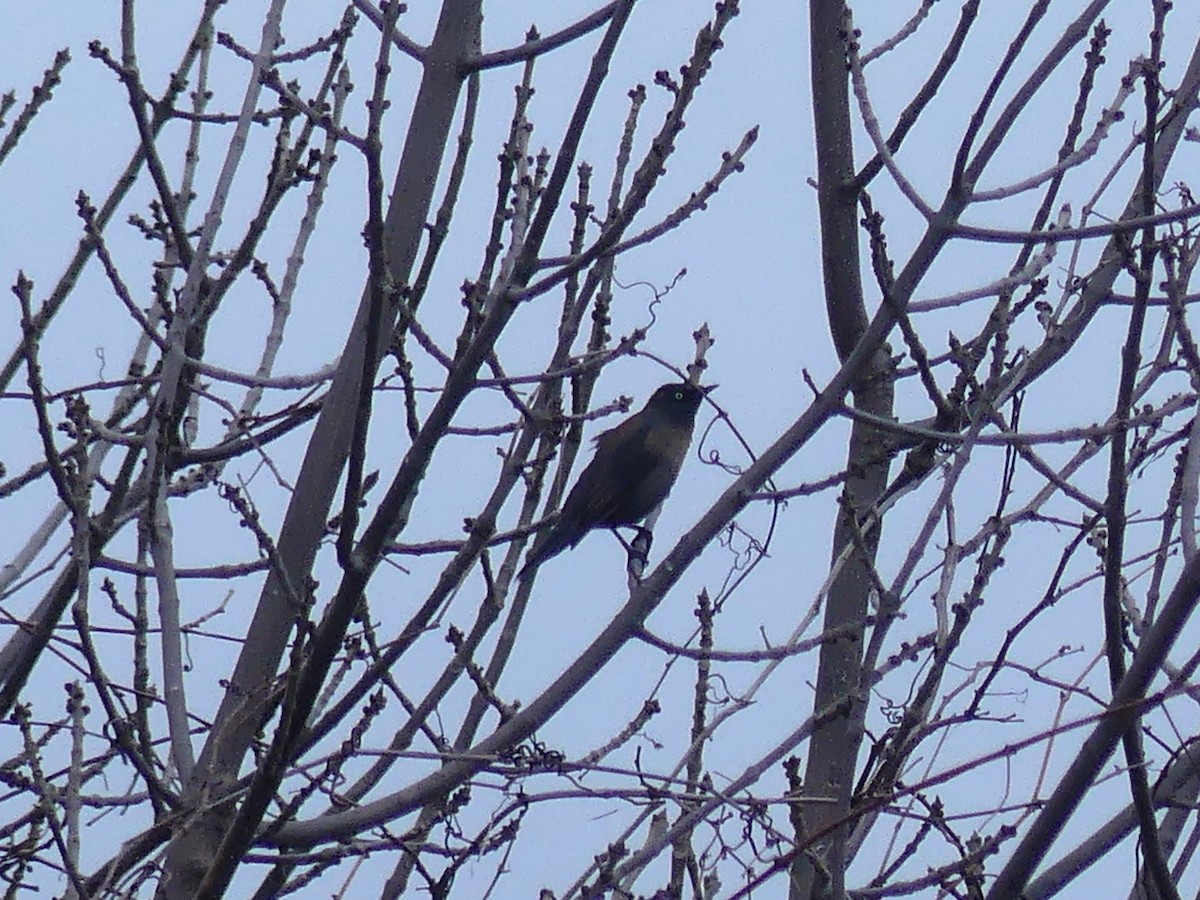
{"x": 634, "y": 468}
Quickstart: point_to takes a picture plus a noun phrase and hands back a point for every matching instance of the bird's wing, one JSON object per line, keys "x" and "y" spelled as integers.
{"x": 616, "y": 480}
{"x": 614, "y": 436}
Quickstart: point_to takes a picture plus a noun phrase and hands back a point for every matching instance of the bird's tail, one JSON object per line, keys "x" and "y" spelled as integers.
{"x": 550, "y": 544}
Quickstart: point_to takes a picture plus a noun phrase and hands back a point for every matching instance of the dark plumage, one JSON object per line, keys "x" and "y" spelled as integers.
{"x": 635, "y": 465}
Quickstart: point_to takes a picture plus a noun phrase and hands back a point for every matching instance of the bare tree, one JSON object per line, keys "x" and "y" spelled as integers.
{"x": 924, "y": 714}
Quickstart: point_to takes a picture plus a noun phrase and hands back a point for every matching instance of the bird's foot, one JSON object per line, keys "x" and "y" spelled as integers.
{"x": 638, "y": 551}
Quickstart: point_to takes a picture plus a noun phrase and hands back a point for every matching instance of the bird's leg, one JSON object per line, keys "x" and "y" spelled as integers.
{"x": 638, "y": 549}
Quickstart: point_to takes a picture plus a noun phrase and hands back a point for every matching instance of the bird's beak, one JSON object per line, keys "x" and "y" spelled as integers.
{"x": 708, "y": 388}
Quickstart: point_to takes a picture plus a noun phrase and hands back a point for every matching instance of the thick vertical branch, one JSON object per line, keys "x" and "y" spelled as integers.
{"x": 248, "y": 697}
{"x": 833, "y": 750}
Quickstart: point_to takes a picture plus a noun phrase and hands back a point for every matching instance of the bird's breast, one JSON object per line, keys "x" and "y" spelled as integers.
{"x": 669, "y": 446}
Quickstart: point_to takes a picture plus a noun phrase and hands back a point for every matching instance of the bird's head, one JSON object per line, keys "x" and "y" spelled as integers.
{"x": 678, "y": 401}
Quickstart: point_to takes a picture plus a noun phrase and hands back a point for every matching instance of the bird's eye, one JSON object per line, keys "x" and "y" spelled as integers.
{"x": 679, "y": 395}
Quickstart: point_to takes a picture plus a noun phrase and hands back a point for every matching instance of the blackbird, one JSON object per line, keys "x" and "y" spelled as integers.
{"x": 635, "y": 465}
